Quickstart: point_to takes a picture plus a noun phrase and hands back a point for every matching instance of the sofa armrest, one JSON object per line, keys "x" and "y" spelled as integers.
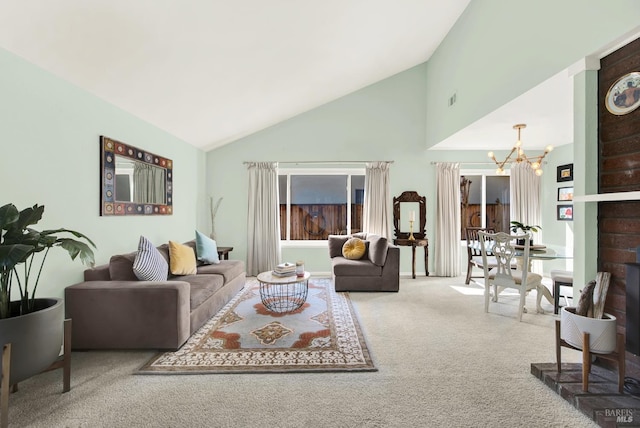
{"x": 391, "y": 269}
{"x": 129, "y": 314}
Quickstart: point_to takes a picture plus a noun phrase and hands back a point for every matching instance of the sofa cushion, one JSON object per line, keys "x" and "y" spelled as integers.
{"x": 206, "y": 249}
{"x": 336, "y": 242}
{"x": 182, "y": 259}
{"x": 353, "y": 249}
{"x": 363, "y": 267}
{"x": 149, "y": 264}
{"x": 121, "y": 267}
{"x": 377, "y": 249}
{"x": 202, "y": 287}
{"x": 229, "y": 269}
{"x": 164, "y": 252}
{"x": 360, "y": 235}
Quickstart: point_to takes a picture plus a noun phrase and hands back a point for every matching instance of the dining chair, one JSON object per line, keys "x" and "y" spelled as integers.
{"x": 500, "y": 246}
{"x": 474, "y": 255}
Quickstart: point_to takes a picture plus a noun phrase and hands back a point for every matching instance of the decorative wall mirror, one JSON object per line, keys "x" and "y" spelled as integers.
{"x": 134, "y": 181}
{"x": 403, "y": 206}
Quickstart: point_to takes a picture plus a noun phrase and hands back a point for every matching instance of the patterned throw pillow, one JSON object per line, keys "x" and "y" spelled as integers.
{"x": 182, "y": 259}
{"x": 207, "y": 249}
{"x": 354, "y": 249}
{"x": 149, "y": 265}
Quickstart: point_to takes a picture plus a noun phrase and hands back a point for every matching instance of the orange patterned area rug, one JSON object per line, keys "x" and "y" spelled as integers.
{"x": 246, "y": 337}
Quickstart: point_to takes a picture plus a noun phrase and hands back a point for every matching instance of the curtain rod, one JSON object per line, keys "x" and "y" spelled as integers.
{"x": 319, "y": 162}
{"x": 466, "y": 163}
{"x": 472, "y": 163}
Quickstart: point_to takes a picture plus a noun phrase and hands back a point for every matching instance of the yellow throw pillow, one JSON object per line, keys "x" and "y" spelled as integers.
{"x": 353, "y": 249}
{"x": 182, "y": 259}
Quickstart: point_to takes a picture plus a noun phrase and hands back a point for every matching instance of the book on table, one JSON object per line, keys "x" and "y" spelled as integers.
{"x": 283, "y": 274}
{"x": 285, "y": 268}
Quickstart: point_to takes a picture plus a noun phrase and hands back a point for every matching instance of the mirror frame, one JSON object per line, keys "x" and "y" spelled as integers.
{"x": 109, "y": 148}
{"x": 410, "y": 196}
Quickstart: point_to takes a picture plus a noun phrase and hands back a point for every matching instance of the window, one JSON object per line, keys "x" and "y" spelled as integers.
{"x": 315, "y": 203}
{"x": 484, "y": 201}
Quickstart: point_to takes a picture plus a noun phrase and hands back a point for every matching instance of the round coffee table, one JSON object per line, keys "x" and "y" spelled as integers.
{"x": 283, "y": 294}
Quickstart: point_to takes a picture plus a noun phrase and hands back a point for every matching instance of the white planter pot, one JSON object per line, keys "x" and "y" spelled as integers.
{"x": 602, "y": 332}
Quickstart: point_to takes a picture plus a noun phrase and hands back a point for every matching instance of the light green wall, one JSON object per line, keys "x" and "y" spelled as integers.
{"x": 385, "y": 121}
{"x": 49, "y": 135}
{"x": 500, "y": 49}
{"x": 556, "y": 232}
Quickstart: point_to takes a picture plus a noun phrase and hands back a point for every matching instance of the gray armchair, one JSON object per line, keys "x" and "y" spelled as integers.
{"x": 377, "y": 270}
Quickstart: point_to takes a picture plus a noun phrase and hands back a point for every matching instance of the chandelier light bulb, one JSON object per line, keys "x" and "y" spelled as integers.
{"x": 517, "y": 155}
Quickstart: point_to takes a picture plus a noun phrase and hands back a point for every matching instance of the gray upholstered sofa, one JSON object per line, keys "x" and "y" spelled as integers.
{"x": 112, "y": 309}
{"x": 377, "y": 270}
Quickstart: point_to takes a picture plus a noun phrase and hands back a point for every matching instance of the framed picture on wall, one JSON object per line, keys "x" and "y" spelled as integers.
{"x": 565, "y": 194}
{"x": 565, "y": 173}
{"x": 565, "y": 212}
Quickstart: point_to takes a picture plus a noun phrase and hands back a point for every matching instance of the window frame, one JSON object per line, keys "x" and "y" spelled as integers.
{"x": 484, "y": 173}
{"x": 349, "y": 172}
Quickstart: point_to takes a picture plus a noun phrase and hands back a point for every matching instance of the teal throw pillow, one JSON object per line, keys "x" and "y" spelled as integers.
{"x": 206, "y": 249}
{"x": 149, "y": 265}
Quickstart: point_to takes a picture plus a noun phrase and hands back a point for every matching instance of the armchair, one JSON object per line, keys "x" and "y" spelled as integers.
{"x": 377, "y": 270}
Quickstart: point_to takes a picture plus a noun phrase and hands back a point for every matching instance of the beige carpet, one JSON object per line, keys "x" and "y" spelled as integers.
{"x": 442, "y": 362}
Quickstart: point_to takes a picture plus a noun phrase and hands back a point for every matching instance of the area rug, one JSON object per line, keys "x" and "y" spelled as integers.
{"x": 245, "y": 337}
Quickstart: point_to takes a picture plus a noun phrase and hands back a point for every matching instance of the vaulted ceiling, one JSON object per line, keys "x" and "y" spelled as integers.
{"x": 212, "y": 71}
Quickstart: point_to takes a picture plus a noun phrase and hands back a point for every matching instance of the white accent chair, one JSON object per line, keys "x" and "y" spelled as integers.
{"x": 500, "y": 246}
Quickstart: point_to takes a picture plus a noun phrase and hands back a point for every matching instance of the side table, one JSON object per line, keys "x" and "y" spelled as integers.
{"x": 413, "y": 243}
{"x": 283, "y": 294}
{"x": 223, "y": 252}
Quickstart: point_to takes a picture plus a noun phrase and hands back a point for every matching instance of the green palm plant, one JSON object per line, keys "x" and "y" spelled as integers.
{"x": 23, "y": 249}
{"x": 516, "y": 225}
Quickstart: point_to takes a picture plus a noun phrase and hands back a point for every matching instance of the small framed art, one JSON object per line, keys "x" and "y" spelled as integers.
{"x": 565, "y": 212}
{"x": 565, "y": 173}
{"x": 565, "y": 194}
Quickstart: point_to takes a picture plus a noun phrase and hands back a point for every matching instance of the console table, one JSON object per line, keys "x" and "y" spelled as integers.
{"x": 413, "y": 244}
{"x": 223, "y": 252}
{"x": 411, "y": 239}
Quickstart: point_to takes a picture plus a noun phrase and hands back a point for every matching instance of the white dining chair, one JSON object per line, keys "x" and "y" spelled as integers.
{"x": 500, "y": 246}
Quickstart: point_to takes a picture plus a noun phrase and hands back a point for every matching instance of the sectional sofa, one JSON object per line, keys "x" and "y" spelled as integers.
{"x": 112, "y": 309}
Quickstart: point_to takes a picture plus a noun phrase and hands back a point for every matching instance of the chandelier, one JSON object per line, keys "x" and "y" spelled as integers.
{"x": 534, "y": 162}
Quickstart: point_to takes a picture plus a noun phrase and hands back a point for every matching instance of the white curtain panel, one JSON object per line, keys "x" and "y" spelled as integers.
{"x": 447, "y": 254}
{"x": 525, "y": 195}
{"x": 377, "y": 199}
{"x": 263, "y": 219}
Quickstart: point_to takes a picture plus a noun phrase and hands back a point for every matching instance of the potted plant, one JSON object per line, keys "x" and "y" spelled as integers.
{"x": 516, "y": 225}
{"x": 33, "y": 326}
